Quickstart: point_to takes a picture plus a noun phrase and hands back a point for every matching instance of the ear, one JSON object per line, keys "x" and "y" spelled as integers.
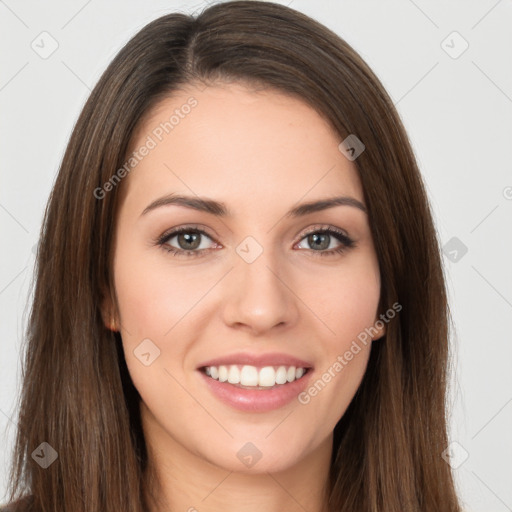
{"x": 380, "y": 326}
{"x": 108, "y": 312}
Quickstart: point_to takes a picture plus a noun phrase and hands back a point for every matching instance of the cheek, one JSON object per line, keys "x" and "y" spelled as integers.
{"x": 347, "y": 301}
{"x": 160, "y": 301}
{"x": 348, "y": 309}
{"x": 152, "y": 298}
{"x": 153, "y": 292}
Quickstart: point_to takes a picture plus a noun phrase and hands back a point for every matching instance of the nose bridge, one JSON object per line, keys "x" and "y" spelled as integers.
{"x": 259, "y": 297}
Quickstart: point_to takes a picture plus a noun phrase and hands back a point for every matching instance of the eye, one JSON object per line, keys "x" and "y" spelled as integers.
{"x": 189, "y": 241}
{"x": 320, "y": 239}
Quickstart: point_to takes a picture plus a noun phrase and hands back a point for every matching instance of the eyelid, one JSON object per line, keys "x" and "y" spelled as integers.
{"x": 204, "y": 230}
{"x": 342, "y": 236}
{"x": 170, "y": 233}
{"x": 322, "y": 227}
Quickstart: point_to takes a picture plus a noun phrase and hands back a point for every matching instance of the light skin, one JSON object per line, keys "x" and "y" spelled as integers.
{"x": 261, "y": 154}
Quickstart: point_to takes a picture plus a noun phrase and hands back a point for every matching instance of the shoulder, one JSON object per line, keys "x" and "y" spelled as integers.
{"x": 20, "y": 505}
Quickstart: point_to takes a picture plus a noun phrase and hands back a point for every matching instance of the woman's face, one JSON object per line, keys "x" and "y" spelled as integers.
{"x": 259, "y": 287}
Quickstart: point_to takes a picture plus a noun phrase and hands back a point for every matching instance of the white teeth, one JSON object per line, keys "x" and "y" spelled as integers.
{"x": 267, "y": 376}
{"x": 290, "y": 374}
{"x": 248, "y": 375}
{"x": 234, "y": 375}
{"x": 281, "y": 375}
{"x": 223, "y": 373}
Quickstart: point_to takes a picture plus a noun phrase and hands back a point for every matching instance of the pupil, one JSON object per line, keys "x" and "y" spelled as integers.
{"x": 187, "y": 238}
{"x": 316, "y": 237}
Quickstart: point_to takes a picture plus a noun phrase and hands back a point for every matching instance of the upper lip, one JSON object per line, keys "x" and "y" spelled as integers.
{"x": 269, "y": 359}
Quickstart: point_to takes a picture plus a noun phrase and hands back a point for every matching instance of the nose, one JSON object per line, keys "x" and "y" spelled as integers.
{"x": 259, "y": 296}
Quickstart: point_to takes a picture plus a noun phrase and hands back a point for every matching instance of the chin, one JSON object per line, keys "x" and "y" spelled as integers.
{"x": 255, "y": 457}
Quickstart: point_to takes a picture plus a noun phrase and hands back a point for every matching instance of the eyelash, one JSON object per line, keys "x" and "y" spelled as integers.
{"x": 346, "y": 242}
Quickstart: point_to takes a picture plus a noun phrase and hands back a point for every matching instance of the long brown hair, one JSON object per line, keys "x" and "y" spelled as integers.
{"x": 77, "y": 395}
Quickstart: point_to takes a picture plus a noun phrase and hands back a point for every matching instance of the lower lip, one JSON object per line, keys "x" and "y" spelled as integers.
{"x": 257, "y": 400}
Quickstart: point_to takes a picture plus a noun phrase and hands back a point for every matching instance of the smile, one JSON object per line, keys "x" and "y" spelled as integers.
{"x": 252, "y": 377}
{"x": 268, "y": 387}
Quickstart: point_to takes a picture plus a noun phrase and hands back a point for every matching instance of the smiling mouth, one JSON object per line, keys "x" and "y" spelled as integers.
{"x": 253, "y": 377}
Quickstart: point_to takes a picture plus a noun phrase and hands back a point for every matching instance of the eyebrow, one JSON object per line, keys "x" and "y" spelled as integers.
{"x": 219, "y": 209}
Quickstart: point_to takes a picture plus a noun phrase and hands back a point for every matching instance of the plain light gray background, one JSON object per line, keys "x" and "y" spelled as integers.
{"x": 456, "y": 103}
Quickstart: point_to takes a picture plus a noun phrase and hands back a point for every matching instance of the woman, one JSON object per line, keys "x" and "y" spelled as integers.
{"x": 239, "y": 298}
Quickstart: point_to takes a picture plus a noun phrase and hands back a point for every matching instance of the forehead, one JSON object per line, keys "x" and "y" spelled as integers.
{"x": 245, "y": 147}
